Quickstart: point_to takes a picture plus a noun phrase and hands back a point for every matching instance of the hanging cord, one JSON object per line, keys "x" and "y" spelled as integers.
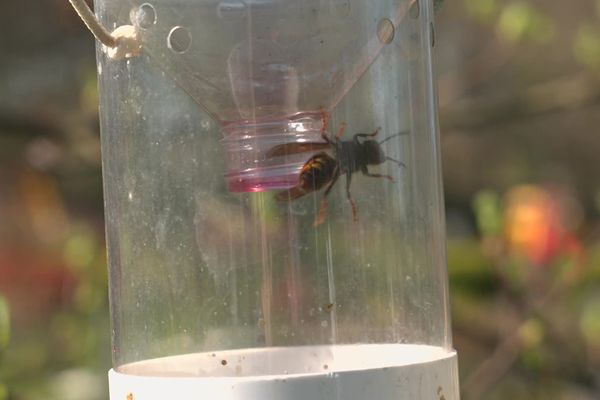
{"x": 123, "y": 42}
{"x": 90, "y": 20}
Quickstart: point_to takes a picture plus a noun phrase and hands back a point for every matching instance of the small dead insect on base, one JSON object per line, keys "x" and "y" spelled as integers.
{"x": 323, "y": 169}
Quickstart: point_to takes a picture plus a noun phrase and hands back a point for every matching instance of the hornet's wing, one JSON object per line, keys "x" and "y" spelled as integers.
{"x": 295, "y": 148}
{"x": 291, "y": 194}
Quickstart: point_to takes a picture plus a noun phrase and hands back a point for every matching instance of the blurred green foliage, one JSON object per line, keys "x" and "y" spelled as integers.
{"x": 488, "y": 212}
{"x": 4, "y": 324}
{"x": 521, "y": 21}
{"x": 590, "y": 321}
{"x": 587, "y": 46}
{"x": 482, "y": 10}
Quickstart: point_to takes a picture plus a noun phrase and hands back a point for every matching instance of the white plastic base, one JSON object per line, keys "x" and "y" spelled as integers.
{"x": 352, "y": 372}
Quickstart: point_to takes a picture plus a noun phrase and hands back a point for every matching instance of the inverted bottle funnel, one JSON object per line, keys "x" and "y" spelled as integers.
{"x": 267, "y": 71}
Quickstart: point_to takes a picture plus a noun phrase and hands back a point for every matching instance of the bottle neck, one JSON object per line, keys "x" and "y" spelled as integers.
{"x": 246, "y": 144}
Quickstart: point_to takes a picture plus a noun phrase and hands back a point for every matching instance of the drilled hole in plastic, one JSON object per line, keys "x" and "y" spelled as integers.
{"x": 179, "y": 39}
{"x": 143, "y": 16}
{"x": 415, "y": 10}
{"x": 385, "y": 31}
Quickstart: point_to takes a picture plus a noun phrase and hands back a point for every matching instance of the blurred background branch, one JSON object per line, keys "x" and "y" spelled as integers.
{"x": 563, "y": 94}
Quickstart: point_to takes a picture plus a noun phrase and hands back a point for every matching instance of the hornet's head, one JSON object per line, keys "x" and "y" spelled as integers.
{"x": 373, "y": 153}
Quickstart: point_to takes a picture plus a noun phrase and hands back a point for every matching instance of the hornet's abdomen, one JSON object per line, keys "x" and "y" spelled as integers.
{"x": 317, "y": 172}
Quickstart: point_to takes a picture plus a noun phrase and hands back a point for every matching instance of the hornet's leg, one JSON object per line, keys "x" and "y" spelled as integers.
{"x": 349, "y": 197}
{"x": 320, "y": 218}
{"x": 366, "y": 172}
{"x": 398, "y": 163}
{"x": 341, "y": 129}
{"x": 325, "y": 120}
{"x": 325, "y": 125}
{"x": 364, "y": 135}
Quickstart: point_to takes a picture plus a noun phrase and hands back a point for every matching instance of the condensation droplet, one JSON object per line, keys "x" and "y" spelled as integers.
{"x": 324, "y": 324}
{"x": 179, "y": 39}
{"x": 143, "y": 16}
{"x": 385, "y": 31}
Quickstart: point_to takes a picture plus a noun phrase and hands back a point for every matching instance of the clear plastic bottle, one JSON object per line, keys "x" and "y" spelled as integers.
{"x": 251, "y": 255}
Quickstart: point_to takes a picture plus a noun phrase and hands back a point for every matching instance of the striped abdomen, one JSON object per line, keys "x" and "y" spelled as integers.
{"x": 316, "y": 173}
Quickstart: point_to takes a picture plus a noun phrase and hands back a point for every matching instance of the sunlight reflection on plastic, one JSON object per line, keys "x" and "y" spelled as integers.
{"x": 231, "y": 10}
